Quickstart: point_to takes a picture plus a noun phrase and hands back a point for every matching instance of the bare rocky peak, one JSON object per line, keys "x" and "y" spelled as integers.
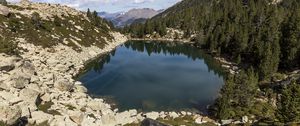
{"x": 126, "y": 18}
{"x": 141, "y": 13}
{"x": 25, "y": 2}
{"x": 46, "y": 11}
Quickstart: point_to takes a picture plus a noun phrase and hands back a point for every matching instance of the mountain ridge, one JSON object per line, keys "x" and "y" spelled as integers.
{"x": 121, "y": 19}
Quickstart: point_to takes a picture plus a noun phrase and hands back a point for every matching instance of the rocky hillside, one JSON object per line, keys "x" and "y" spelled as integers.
{"x": 47, "y": 25}
{"x": 132, "y": 16}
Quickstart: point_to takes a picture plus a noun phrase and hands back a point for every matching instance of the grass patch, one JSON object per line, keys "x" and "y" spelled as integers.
{"x": 186, "y": 120}
{"x": 83, "y": 109}
{"x": 45, "y": 108}
{"x": 70, "y": 107}
{"x": 2, "y": 123}
{"x": 92, "y": 116}
{"x": 45, "y": 123}
{"x": 133, "y": 124}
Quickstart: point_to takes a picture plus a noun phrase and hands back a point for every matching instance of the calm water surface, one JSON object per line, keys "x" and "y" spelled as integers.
{"x": 155, "y": 76}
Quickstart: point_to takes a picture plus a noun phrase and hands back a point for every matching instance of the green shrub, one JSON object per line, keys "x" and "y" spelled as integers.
{"x": 7, "y": 47}
{"x": 3, "y": 2}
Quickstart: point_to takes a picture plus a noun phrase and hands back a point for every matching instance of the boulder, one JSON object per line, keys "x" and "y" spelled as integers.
{"x": 4, "y": 10}
{"x": 108, "y": 119}
{"x": 125, "y": 117}
{"x": 7, "y": 63}
{"x": 151, "y": 122}
{"x": 10, "y": 114}
{"x": 52, "y": 62}
{"x": 10, "y": 98}
{"x": 95, "y": 105}
{"x": 30, "y": 96}
{"x": 46, "y": 97}
{"x": 152, "y": 115}
{"x": 80, "y": 89}
{"x": 20, "y": 82}
{"x": 173, "y": 115}
{"x": 199, "y": 120}
{"x": 76, "y": 116}
{"x": 88, "y": 121}
{"x": 4, "y": 86}
{"x": 39, "y": 117}
{"x": 63, "y": 85}
{"x": 27, "y": 68}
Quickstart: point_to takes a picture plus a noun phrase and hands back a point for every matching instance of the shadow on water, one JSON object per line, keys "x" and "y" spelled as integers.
{"x": 163, "y": 48}
{"x": 157, "y": 47}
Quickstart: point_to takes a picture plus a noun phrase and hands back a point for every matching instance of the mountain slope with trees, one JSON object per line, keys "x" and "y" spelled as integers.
{"x": 48, "y": 25}
{"x": 262, "y": 36}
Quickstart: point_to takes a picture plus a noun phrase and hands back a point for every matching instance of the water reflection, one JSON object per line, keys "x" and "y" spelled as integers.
{"x": 160, "y": 47}
{"x": 155, "y": 76}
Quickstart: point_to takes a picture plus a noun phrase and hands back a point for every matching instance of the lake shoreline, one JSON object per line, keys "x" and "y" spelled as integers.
{"x": 51, "y": 79}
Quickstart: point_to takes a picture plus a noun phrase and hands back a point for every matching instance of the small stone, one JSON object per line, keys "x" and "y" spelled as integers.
{"x": 245, "y": 119}
{"x": 226, "y": 122}
{"x": 78, "y": 83}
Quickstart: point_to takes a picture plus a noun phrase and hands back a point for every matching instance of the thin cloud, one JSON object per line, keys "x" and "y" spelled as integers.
{"x": 110, "y": 5}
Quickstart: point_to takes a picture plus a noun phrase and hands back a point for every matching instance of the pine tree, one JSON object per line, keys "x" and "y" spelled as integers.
{"x": 3, "y": 2}
{"x": 289, "y": 104}
{"x": 88, "y": 13}
{"x": 290, "y": 41}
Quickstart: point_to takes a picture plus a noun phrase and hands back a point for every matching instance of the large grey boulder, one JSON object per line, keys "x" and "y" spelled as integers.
{"x": 63, "y": 85}
{"x": 4, "y": 10}
{"x": 10, "y": 114}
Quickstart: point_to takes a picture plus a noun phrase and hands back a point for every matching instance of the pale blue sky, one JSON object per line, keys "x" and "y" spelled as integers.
{"x": 112, "y": 5}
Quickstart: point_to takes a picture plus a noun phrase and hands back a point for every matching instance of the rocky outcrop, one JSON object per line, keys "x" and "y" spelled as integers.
{"x": 4, "y": 10}
{"x": 38, "y": 85}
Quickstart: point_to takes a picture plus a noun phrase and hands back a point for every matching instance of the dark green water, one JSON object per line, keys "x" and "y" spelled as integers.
{"x": 155, "y": 76}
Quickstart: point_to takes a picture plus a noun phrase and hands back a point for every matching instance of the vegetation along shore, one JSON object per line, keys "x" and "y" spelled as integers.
{"x": 43, "y": 47}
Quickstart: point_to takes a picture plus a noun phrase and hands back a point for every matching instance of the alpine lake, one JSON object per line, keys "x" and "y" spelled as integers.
{"x": 155, "y": 76}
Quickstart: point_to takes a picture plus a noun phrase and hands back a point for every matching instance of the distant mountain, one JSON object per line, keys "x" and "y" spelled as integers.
{"x": 121, "y": 19}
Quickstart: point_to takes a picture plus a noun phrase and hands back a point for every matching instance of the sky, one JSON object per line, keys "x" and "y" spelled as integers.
{"x": 111, "y": 5}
